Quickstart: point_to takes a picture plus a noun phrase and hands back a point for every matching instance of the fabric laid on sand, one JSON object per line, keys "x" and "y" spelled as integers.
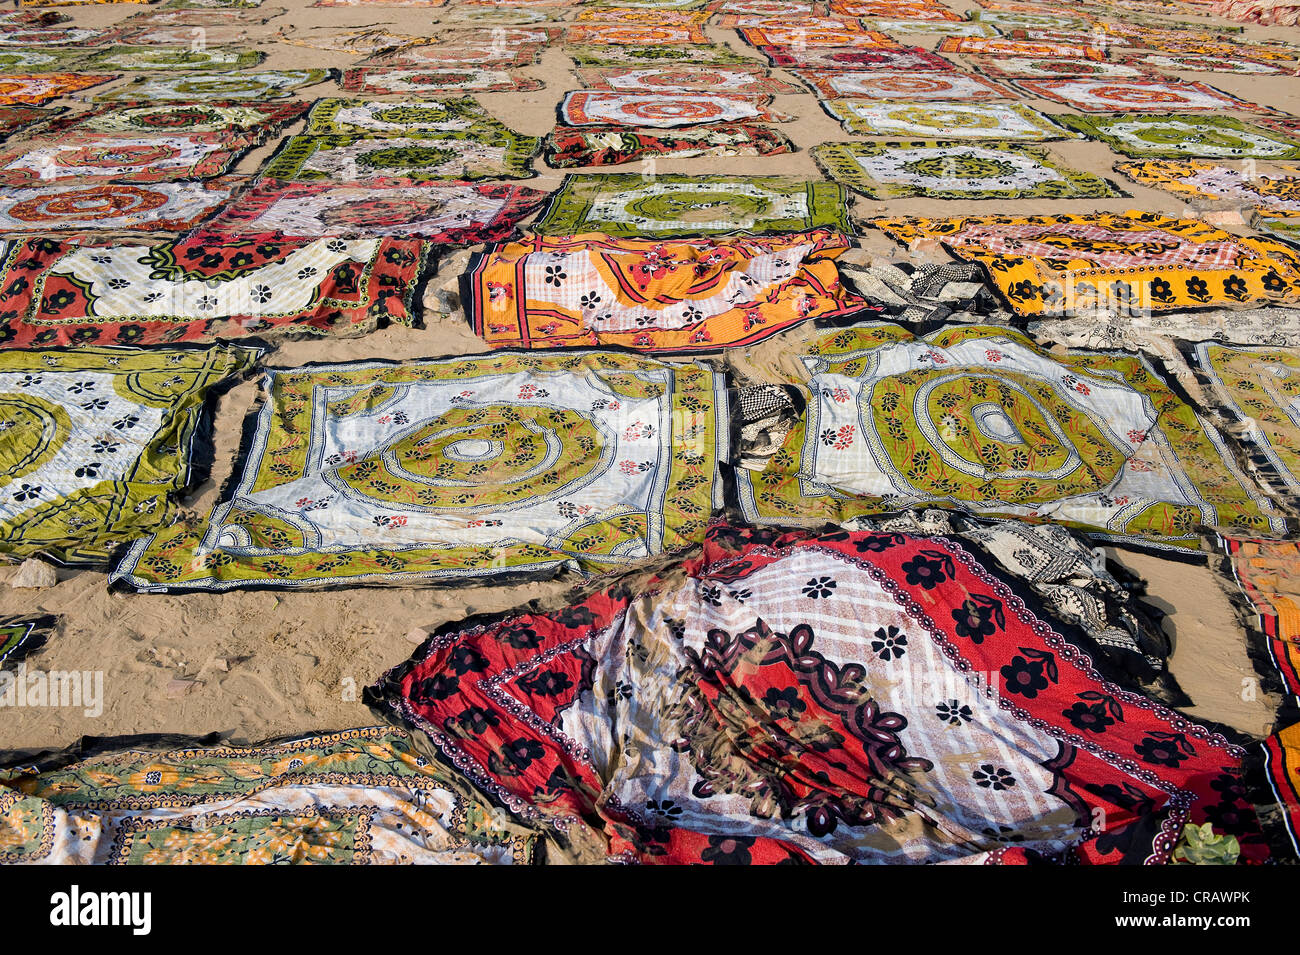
{"x": 144, "y": 207}
{"x": 491, "y": 57}
{"x": 608, "y": 34}
{"x": 1002, "y": 46}
{"x": 741, "y": 81}
{"x": 837, "y": 697}
{"x": 1109, "y": 96}
{"x": 783, "y": 33}
{"x": 49, "y": 60}
{"x": 1185, "y": 136}
{"x": 571, "y": 146}
{"x": 1258, "y": 389}
{"x": 128, "y": 158}
{"x": 671, "y": 205}
{"x": 663, "y": 111}
{"x": 896, "y": 84}
{"x": 20, "y": 637}
{"x": 14, "y": 119}
{"x": 355, "y": 117}
{"x": 1282, "y": 764}
{"x": 163, "y": 59}
{"x": 982, "y": 419}
{"x": 356, "y": 797}
{"x": 911, "y": 59}
{"x": 1267, "y": 572}
{"x": 33, "y": 89}
{"x": 1004, "y": 121}
{"x": 202, "y": 286}
{"x": 1030, "y": 67}
{"x": 705, "y": 54}
{"x": 1200, "y": 63}
{"x": 472, "y": 154}
{"x": 1286, "y": 228}
{"x": 443, "y": 213}
{"x": 1044, "y": 265}
{"x": 490, "y": 468}
{"x": 98, "y": 440}
{"x": 1072, "y": 582}
{"x": 954, "y": 170}
{"x": 251, "y": 121}
{"x": 1199, "y": 180}
{"x": 433, "y": 82}
{"x": 660, "y": 295}
{"x": 216, "y": 87}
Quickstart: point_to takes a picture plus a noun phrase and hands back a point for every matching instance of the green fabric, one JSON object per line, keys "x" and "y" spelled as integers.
{"x": 98, "y": 440}
{"x": 626, "y": 204}
{"x": 1183, "y": 136}
{"x": 951, "y": 170}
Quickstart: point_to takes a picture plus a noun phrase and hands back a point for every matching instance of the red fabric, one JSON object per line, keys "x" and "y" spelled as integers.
{"x": 1145, "y": 770}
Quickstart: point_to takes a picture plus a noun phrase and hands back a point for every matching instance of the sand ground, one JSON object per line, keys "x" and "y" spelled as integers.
{"x": 264, "y": 664}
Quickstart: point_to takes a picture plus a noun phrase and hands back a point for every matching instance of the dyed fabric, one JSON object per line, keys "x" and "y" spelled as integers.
{"x": 1185, "y": 136}
{"x": 101, "y": 441}
{"x": 981, "y": 419}
{"x": 120, "y": 158}
{"x": 48, "y": 60}
{"x": 1155, "y": 96}
{"x": 1282, "y": 764}
{"x": 1031, "y": 67}
{"x": 901, "y": 85}
{"x": 704, "y": 54}
{"x": 1258, "y": 390}
{"x": 492, "y": 57}
{"x": 20, "y": 637}
{"x": 1125, "y": 261}
{"x": 33, "y": 89}
{"x": 354, "y": 117}
{"x": 494, "y": 468}
{"x": 656, "y": 295}
{"x": 1200, "y": 63}
{"x": 445, "y": 214}
{"x": 357, "y": 797}
{"x": 662, "y": 111}
{"x": 204, "y": 285}
{"x": 477, "y": 154}
{"x": 1266, "y": 571}
{"x": 873, "y": 9}
{"x": 251, "y": 121}
{"x": 14, "y": 119}
{"x": 742, "y": 81}
{"x": 643, "y": 35}
{"x": 1193, "y": 179}
{"x": 913, "y": 59}
{"x": 58, "y": 36}
{"x": 1284, "y": 228}
{"x": 783, "y": 33}
{"x": 652, "y": 17}
{"x": 431, "y": 82}
{"x": 668, "y": 205}
{"x": 762, "y": 706}
{"x": 216, "y": 87}
{"x": 153, "y": 58}
{"x": 952, "y": 170}
{"x": 156, "y": 207}
{"x": 613, "y": 145}
{"x": 1005, "y": 121}
{"x": 1002, "y": 46}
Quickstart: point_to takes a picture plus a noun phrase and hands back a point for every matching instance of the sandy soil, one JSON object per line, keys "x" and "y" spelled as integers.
{"x": 264, "y": 664}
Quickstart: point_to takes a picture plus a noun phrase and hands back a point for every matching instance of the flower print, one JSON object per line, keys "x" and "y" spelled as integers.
{"x": 728, "y": 850}
{"x": 889, "y": 643}
{"x": 819, "y": 587}
{"x": 953, "y": 712}
{"x": 993, "y": 777}
{"x": 1164, "y": 749}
